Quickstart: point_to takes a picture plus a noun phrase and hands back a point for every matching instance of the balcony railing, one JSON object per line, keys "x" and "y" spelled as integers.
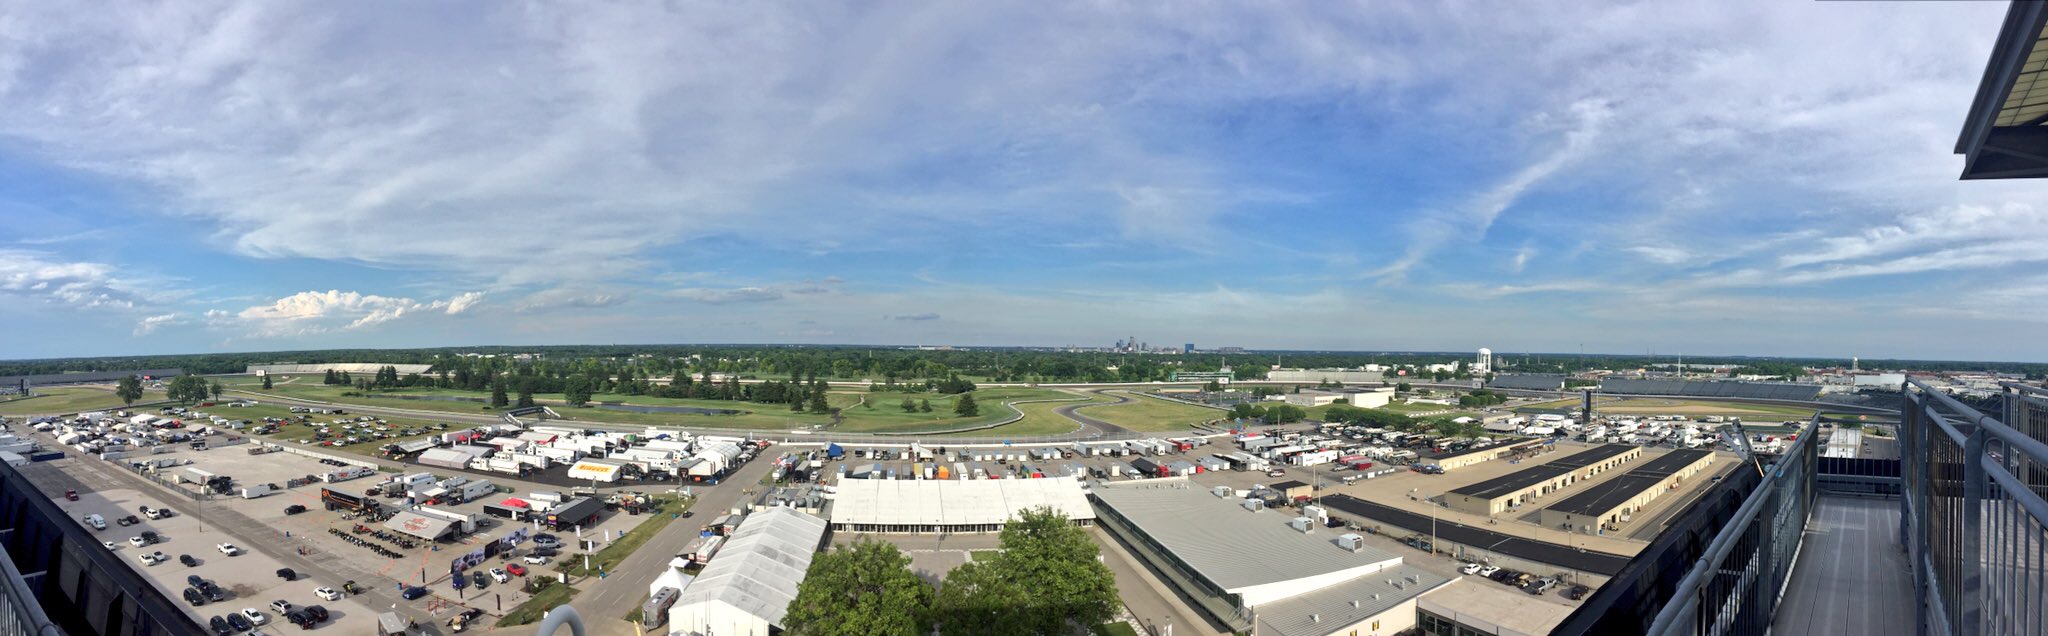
{"x": 1974, "y": 516}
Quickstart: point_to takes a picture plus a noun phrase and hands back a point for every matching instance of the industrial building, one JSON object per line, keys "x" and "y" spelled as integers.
{"x": 1454, "y": 460}
{"x": 574, "y": 512}
{"x": 1604, "y": 507}
{"x": 747, "y": 589}
{"x": 1259, "y": 570}
{"x": 1363, "y": 398}
{"x": 1497, "y": 495}
{"x": 951, "y": 506}
{"x": 1343, "y": 376}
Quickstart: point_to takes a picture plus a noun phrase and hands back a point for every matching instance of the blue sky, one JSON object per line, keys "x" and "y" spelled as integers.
{"x": 1738, "y": 178}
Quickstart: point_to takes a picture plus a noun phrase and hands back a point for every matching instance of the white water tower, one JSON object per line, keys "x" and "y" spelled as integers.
{"x": 1485, "y": 362}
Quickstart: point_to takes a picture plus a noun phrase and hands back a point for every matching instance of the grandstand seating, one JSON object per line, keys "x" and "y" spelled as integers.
{"x": 1527, "y": 382}
{"x": 1713, "y": 389}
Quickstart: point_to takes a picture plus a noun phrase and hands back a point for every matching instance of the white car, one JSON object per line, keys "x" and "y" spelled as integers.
{"x": 137, "y": 541}
{"x": 111, "y": 545}
{"x": 255, "y": 617}
{"x": 327, "y": 593}
{"x": 1489, "y": 570}
{"x": 228, "y": 549}
{"x": 536, "y": 560}
{"x": 152, "y": 558}
{"x": 499, "y": 575}
{"x": 1471, "y": 568}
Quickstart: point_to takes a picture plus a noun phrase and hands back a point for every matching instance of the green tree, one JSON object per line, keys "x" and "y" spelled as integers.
{"x": 216, "y": 389}
{"x": 966, "y": 407}
{"x": 1213, "y": 387}
{"x": 818, "y": 404}
{"x": 1403, "y": 387}
{"x": 860, "y": 589}
{"x": 924, "y": 406}
{"x": 129, "y": 389}
{"x": 525, "y": 393}
{"x": 1046, "y": 580}
{"x": 576, "y": 391}
{"x": 187, "y": 389}
{"x": 908, "y": 406}
{"x": 266, "y": 382}
{"x": 498, "y": 400}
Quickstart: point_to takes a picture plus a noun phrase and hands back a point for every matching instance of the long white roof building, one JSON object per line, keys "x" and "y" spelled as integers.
{"x": 747, "y": 588}
{"x": 942, "y": 505}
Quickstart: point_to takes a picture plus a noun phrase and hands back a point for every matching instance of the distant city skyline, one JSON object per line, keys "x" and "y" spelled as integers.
{"x": 213, "y": 177}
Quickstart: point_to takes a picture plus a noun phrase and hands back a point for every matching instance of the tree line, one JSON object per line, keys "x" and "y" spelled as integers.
{"x": 1045, "y": 579}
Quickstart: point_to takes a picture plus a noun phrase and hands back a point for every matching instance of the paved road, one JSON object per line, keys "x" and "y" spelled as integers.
{"x": 1091, "y": 425}
{"x": 605, "y": 603}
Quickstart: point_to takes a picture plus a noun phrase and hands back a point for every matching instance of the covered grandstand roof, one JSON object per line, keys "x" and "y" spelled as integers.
{"x": 759, "y": 568}
{"x": 1232, "y": 547}
{"x": 351, "y": 367}
{"x": 2006, "y": 133}
{"x": 1529, "y": 382}
{"x": 954, "y": 502}
{"x": 1713, "y": 389}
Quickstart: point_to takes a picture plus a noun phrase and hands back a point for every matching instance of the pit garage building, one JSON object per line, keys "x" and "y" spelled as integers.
{"x": 1262, "y": 571}
{"x": 747, "y": 589}
{"x": 951, "y": 506}
{"x": 1497, "y": 495}
{"x": 1459, "y": 459}
{"x": 1604, "y": 507}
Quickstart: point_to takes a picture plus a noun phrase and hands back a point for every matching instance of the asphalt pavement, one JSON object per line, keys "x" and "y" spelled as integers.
{"x": 1091, "y": 425}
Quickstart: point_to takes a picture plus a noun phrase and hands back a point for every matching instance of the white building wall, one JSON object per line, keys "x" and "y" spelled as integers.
{"x": 714, "y": 617}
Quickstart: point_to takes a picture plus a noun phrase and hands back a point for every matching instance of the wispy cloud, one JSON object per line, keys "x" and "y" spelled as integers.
{"x": 151, "y": 323}
{"x": 84, "y": 284}
{"x": 916, "y": 317}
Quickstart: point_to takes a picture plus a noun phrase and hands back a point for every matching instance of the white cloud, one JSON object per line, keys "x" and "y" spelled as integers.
{"x": 311, "y": 312}
{"x": 150, "y": 324}
{"x": 926, "y": 316}
{"x": 33, "y": 275}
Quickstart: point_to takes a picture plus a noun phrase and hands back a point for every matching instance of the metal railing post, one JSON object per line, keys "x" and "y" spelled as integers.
{"x": 1970, "y": 571}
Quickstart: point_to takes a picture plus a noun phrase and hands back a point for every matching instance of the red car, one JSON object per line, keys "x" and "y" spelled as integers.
{"x": 71, "y": 495}
{"x": 516, "y": 569}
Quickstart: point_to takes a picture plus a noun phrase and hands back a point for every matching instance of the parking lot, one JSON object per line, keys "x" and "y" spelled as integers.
{"x": 249, "y": 579}
{"x": 426, "y": 564}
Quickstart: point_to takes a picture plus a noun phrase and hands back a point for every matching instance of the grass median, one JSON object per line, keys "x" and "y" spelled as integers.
{"x": 608, "y": 559}
{"x": 550, "y": 597}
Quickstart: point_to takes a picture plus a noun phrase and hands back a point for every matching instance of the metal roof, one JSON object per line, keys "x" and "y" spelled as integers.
{"x": 2005, "y": 135}
{"x": 419, "y": 525}
{"x": 758, "y": 570}
{"x": 1226, "y": 544}
{"x": 945, "y": 502}
{"x": 1323, "y": 611}
{"x": 1513, "y": 482}
{"x": 1606, "y": 495}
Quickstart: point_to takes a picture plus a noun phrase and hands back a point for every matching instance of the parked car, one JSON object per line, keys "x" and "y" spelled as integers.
{"x": 219, "y": 625}
{"x": 536, "y": 559}
{"x": 413, "y": 593}
{"x": 515, "y": 569}
{"x": 294, "y": 509}
{"x": 287, "y": 574}
{"x": 194, "y": 597}
{"x": 1470, "y": 568}
{"x": 71, "y": 495}
{"x": 137, "y": 542}
{"x": 327, "y": 594}
{"x": 111, "y": 545}
{"x": 459, "y": 581}
{"x": 479, "y": 580}
{"x": 195, "y": 580}
{"x": 255, "y": 616}
{"x": 1489, "y": 570}
{"x": 280, "y": 606}
{"x": 188, "y": 560}
{"x": 499, "y": 575}
{"x": 228, "y": 549}
{"x": 1577, "y": 592}
{"x": 317, "y": 613}
{"x": 239, "y": 623}
{"x": 152, "y": 558}
{"x": 546, "y": 552}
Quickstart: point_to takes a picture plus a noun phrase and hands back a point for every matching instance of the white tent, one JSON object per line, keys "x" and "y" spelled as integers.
{"x": 747, "y": 589}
